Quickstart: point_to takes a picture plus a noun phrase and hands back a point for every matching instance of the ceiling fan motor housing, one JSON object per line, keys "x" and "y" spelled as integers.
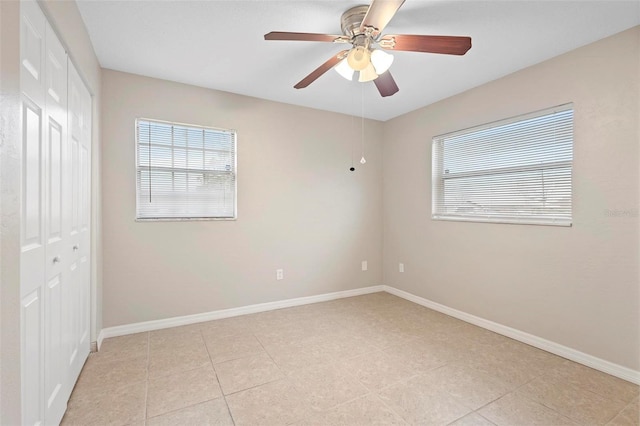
{"x": 351, "y": 20}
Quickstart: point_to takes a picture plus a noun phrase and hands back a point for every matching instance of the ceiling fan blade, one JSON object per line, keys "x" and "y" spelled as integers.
{"x": 448, "y": 45}
{"x": 280, "y": 35}
{"x": 332, "y": 62}
{"x": 380, "y": 13}
{"x": 386, "y": 84}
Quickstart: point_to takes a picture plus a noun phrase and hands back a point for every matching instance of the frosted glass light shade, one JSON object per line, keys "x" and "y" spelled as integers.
{"x": 381, "y": 60}
{"x": 368, "y": 74}
{"x": 358, "y": 58}
{"x": 345, "y": 70}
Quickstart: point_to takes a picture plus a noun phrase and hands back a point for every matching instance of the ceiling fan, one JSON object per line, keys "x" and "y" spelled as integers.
{"x": 362, "y": 28}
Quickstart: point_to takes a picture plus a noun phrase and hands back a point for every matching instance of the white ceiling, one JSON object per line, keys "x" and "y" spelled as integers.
{"x": 220, "y": 45}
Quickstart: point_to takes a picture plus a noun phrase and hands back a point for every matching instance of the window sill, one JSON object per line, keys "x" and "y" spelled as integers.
{"x": 509, "y": 221}
{"x": 184, "y": 219}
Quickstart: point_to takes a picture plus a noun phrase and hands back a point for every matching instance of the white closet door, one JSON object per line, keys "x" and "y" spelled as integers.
{"x": 80, "y": 167}
{"x": 57, "y": 239}
{"x": 32, "y": 259}
{"x": 85, "y": 224}
{"x": 55, "y": 236}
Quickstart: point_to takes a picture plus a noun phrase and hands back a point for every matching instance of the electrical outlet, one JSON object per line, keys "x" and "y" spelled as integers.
{"x": 364, "y": 265}
{"x": 401, "y": 267}
{"x": 279, "y": 274}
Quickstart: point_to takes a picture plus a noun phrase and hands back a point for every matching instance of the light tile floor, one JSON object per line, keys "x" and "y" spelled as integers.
{"x": 374, "y": 359}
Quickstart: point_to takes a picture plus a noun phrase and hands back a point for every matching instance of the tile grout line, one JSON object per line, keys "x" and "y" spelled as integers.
{"x": 333, "y": 407}
{"x": 513, "y": 392}
{"x": 286, "y": 377}
{"x": 390, "y": 408}
{"x": 197, "y": 403}
{"x": 146, "y": 384}
{"x": 576, "y": 386}
{"x": 477, "y": 414}
{"x": 224, "y": 397}
{"x": 463, "y": 405}
{"x": 623, "y": 408}
{"x": 585, "y": 388}
{"x": 255, "y": 386}
{"x": 411, "y": 378}
{"x": 179, "y": 409}
{"x": 373, "y": 392}
{"x": 268, "y": 354}
{"x": 251, "y": 332}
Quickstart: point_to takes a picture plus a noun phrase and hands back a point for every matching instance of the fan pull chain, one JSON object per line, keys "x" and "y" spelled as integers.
{"x": 353, "y": 133}
{"x": 362, "y": 160}
{"x": 352, "y": 142}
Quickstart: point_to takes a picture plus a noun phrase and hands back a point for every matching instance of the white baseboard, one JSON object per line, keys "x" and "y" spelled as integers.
{"x": 140, "y": 327}
{"x": 538, "y": 342}
{"x": 100, "y": 339}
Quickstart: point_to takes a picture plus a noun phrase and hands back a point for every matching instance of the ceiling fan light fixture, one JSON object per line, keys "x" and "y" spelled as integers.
{"x": 345, "y": 70}
{"x": 381, "y": 60}
{"x": 368, "y": 74}
{"x": 359, "y": 58}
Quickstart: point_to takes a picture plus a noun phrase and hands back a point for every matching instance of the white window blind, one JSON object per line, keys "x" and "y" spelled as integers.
{"x": 512, "y": 171}
{"x": 184, "y": 171}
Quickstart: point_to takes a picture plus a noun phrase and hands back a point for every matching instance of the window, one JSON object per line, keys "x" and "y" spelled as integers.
{"x": 513, "y": 171}
{"x": 184, "y": 171}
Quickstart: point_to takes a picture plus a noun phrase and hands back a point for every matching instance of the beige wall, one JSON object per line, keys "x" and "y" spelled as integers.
{"x": 65, "y": 19}
{"x": 299, "y": 207}
{"x": 575, "y": 286}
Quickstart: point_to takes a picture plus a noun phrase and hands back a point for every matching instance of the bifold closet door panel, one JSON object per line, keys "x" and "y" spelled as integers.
{"x": 32, "y": 232}
{"x": 80, "y": 167}
{"x": 57, "y": 228}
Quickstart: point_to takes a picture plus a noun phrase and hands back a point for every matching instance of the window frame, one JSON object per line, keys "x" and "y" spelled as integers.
{"x": 137, "y": 218}
{"x": 437, "y": 179}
